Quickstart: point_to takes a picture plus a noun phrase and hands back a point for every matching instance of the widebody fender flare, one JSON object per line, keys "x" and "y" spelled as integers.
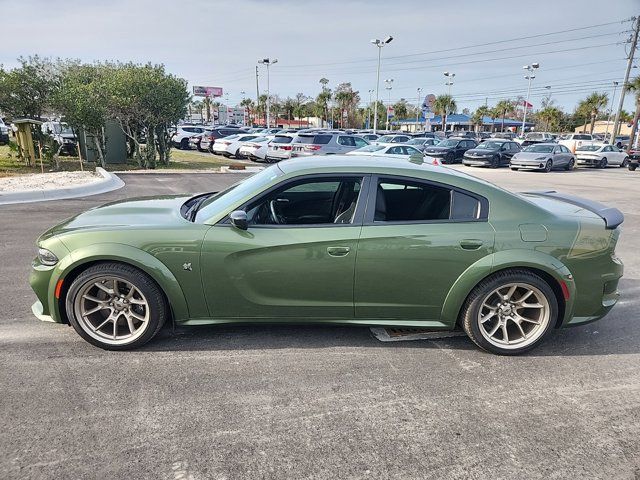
{"x": 515, "y": 258}
{"x": 104, "y": 252}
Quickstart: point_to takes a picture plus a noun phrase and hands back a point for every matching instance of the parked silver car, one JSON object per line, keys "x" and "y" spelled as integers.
{"x": 279, "y": 148}
{"x": 543, "y": 156}
{"x": 306, "y": 144}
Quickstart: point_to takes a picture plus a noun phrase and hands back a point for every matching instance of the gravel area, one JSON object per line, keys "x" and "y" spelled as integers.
{"x": 47, "y": 181}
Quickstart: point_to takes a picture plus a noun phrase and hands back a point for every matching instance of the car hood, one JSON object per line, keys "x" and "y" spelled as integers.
{"x": 530, "y": 155}
{"x": 480, "y": 151}
{"x": 437, "y": 150}
{"x": 136, "y": 212}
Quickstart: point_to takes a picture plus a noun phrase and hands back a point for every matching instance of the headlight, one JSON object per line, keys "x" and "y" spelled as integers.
{"x": 541, "y": 158}
{"x": 47, "y": 257}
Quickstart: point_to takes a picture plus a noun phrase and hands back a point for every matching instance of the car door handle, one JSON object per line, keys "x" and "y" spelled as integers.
{"x": 471, "y": 243}
{"x": 338, "y": 251}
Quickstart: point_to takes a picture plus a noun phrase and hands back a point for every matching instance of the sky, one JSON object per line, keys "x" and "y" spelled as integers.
{"x": 216, "y": 43}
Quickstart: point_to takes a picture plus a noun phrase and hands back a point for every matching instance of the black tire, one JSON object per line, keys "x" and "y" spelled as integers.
{"x": 571, "y": 165}
{"x": 469, "y": 315}
{"x": 548, "y": 166}
{"x": 603, "y": 163}
{"x": 184, "y": 144}
{"x": 632, "y": 167}
{"x": 495, "y": 161}
{"x": 513, "y": 169}
{"x": 449, "y": 158}
{"x": 158, "y": 309}
{"x": 625, "y": 163}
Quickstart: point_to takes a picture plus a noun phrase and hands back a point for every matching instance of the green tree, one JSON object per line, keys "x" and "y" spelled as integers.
{"x": 549, "y": 118}
{"x": 401, "y": 109}
{"x": 444, "y": 105}
{"x": 478, "y": 116}
{"x": 28, "y": 90}
{"x": 347, "y": 100}
{"x": 504, "y": 107}
{"x": 595, "y": 103}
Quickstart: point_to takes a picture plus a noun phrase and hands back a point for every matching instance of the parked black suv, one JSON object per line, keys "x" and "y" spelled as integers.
{"x": 450, "y": 150}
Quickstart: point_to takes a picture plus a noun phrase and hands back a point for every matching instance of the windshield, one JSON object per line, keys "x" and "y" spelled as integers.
{"x": 417, "y": 141}
{"x": 370, "y": 148}
{"x": 385, "y": 139}
{"x": 448, "y": 143}
{"x": 236, "y": 192}
{"x": 489, "y": 146}
{"x": 534, "y": 136}
{"x": 539, "y": 148}
{"x": 589, "y": 148}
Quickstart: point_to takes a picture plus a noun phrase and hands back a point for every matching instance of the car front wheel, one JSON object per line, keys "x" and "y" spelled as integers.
{"x": 510, "y": 312}
{"x": 115, "y": 306}
{"x": 548, "y": 166}
{"x": 625, "y": 163}
{"x": 603, "y": 163}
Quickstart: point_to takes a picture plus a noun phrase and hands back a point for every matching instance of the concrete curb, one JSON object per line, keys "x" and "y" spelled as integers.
{"x": 108, "y": 183}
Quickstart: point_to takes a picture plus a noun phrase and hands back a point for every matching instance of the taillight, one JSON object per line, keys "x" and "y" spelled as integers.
{"x": 312, "y": 148}
{"x": 286, "y": 147}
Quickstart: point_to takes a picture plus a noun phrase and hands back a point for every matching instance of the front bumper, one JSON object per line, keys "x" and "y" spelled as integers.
{"x": 38, "y": 312}
{"x": 477, "y": 161}
{"x": 530, "y": 165}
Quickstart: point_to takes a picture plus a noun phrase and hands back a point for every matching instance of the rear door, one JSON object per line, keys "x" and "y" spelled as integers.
{"x": 417, "y": 239}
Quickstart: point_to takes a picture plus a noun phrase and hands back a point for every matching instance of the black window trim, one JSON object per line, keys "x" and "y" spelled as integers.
{"x": 358, "y": 215}
{"x": 483, "y": 214}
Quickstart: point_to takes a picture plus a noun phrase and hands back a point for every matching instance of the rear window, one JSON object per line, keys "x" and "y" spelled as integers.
{"x": 315, "y": 139}
{"x": 282, "y": 139}
{"x": 582, "y": 137}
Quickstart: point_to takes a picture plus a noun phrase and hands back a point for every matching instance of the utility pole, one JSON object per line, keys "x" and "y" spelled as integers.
{"x": 257, "y": 94}
{"x": 613, "y": 99}
{"x": 418, "y": 109}
{"x": 634, "y": 44}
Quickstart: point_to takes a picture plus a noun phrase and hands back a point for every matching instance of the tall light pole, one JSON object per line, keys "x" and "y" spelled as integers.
{"x": 419, "y": 90}
{"x": 531, "y": 69}
{"x": 379, "y": 44}
{"x": 449, "y": 82}
{"x": 369, "y": 109}
{"x": 268, "y": 62}
{"x": 389, "y": 86}
{"x": 613, "y": 99}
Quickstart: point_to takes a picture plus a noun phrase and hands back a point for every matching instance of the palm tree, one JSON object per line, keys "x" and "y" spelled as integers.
{"x": 634, "y": 86}
{"x": 444, "y": 105}
{"x": 478, "y": 116}
{"x": 550, "y": 116}
{"x": 248, "y": 104}
{"x": 504, "y": 107}
{"x": 493, "y": 113}
{"x": 596, "y": 102}
{"x": 583, "y": 110}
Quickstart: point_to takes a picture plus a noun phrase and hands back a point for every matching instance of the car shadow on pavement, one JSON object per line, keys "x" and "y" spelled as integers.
{"x": 618, "y": 333}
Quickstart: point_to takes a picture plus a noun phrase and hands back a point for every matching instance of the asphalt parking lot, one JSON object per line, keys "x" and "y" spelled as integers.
{"x": 244, "y": 402}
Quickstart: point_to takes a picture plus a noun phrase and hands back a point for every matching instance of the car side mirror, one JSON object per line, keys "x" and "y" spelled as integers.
{"x": 239, "y": 219}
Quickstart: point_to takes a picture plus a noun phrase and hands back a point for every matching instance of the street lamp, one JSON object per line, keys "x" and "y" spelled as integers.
{"x": 449, "y": 81}
{"x": 389, "y": 86}
{"x": 379, "y": 44}
{"x": 531, "y": 69}
{"x": 268, "y": 62}
{"x": 613, "y": 99}
{"x": 369, "y": 109}
{"x": 419, "y": 90}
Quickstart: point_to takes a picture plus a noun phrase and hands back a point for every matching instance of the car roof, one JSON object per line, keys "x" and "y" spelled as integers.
{"x": 546, "y": 144}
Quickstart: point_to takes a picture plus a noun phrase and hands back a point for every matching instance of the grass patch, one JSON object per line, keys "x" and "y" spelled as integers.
{"x": 180, "y": 160}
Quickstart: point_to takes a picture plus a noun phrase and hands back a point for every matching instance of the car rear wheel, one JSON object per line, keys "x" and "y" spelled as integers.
{"x": 509, "y": 312}
{"x": 115, "y": 306}
{"x": 548, "y": 166}
{"x": 632, "y": 167}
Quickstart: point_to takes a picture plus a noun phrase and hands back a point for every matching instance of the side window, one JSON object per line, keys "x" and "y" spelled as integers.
{"x": 360, "y": 142}
{"x": 412, "y": 151}
{"x": 316, "y": 201}
{"x": 346, "y": 141}
{"x": 465, "y": 207}
{"x": 406, "y": 200}
{"x": 606, "y": 149}
{"x": 564, "y": 149}
{"x": 395, "y": 151}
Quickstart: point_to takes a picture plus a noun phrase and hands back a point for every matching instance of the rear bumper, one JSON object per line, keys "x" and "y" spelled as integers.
{"x": 587, "y": 161}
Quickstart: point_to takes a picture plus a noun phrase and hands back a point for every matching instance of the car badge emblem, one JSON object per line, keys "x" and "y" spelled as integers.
{"x": 187, "y": 266}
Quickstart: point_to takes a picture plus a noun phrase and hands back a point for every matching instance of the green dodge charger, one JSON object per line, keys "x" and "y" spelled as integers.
{"x": 342, "y": 240}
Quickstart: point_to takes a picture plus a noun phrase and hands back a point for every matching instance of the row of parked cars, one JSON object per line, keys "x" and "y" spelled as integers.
{"x": 536, "y": 151}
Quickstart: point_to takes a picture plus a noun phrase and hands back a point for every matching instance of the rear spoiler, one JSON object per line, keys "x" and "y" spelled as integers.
{"x": 612, "y": 216}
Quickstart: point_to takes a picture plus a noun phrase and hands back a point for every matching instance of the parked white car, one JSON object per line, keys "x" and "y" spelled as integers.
{"x": 230, "y": 146}
{"x": 388, "y": 139}
{"x": 280, "y": 148}
{"x": 392, "y": 151}
{"x": 600, "y": 155}
{"x": 180, "y": 138}
{"x": 575, "y": 140}
{"x": 256, "y": 149}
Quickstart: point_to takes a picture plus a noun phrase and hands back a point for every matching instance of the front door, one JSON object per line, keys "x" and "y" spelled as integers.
{"x": 414, "y": 245}
{"x": 297, "y": 257}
